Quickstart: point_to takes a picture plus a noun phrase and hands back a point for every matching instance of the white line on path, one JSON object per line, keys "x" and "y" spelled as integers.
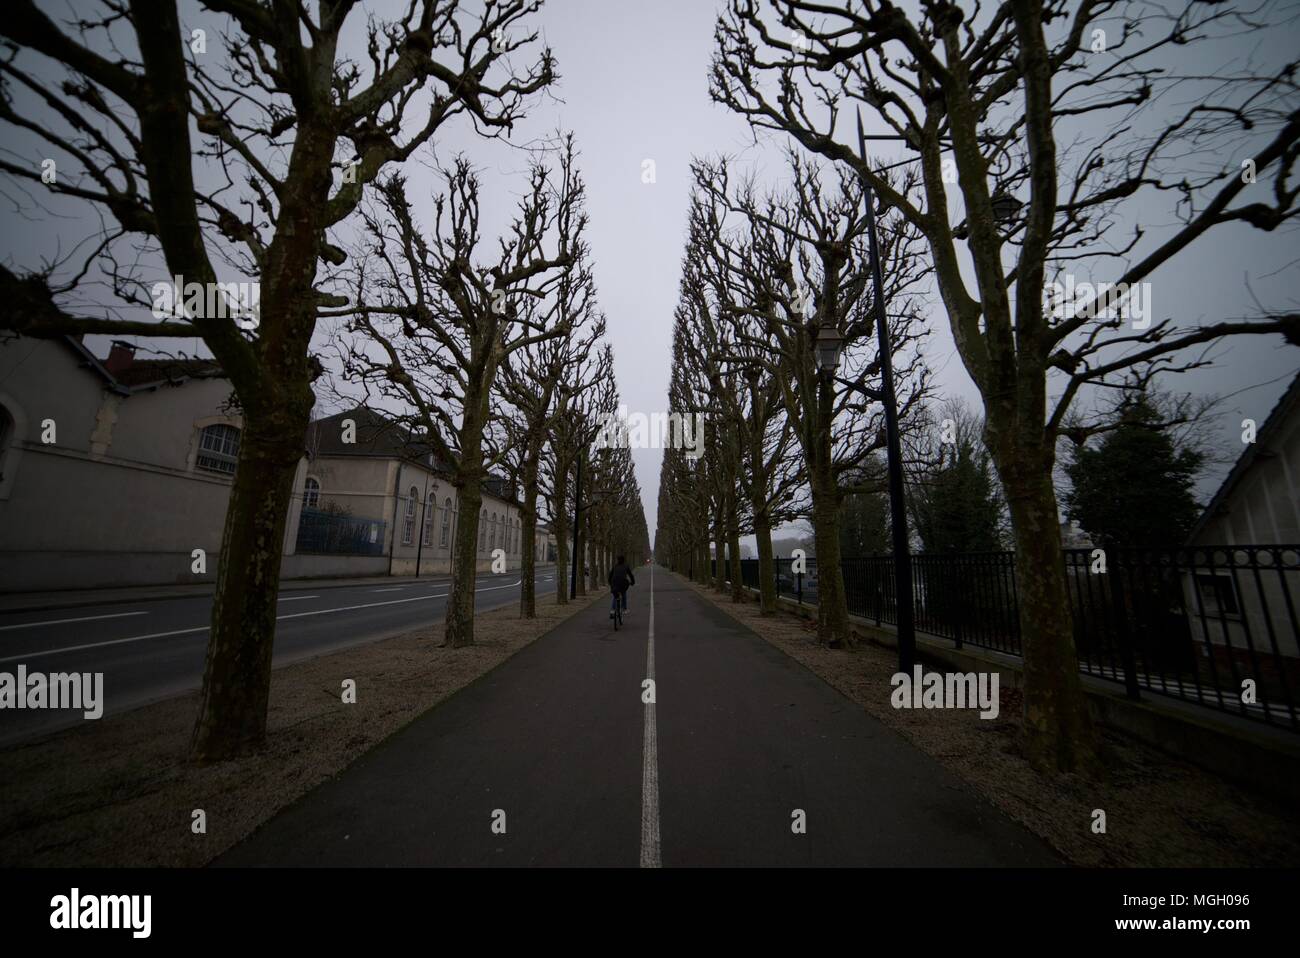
{"x": 204, "y": 628}
{"x": 650, "y": 756}
{"x": 296, "y": 598}
{"x": 86, "y": 618}
{"x": 396, "y": 589}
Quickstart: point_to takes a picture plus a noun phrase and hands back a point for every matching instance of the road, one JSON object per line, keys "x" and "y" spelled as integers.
{"x": 154, "y": 648}
{"x": 557, "y": 749}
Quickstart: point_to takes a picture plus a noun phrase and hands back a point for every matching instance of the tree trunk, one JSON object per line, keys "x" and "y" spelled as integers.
{"x": 464, "y": 572}
{"x": 766, "y": 566}
{"x": 733, "y": 547}
{"x": 528, "y": 537}
{"x": 832, "y": 603}
{"x": 1058, "y": 728}
{"x": 719, "y": 552}
{"x": 580, "y": 550}
{"x": 560, "y": 525}
{"x": 237, "y": 669}
{"x": 591, "y": 553}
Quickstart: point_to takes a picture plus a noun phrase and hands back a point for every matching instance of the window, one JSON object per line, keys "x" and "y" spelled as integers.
{"x": 408, "y": 522}
{"x": 482, "y": 531}
{"x": 429, "y": 508}
{"x": 1218, "y": 597}
{"x": 492, "y": 542}
{"x": 218, "y": 449}
{"x": 446, "y": 523}
{"x": 311, "y": 494}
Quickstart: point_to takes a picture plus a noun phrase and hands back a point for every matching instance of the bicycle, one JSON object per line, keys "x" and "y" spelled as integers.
{"x": 618, "y": 611}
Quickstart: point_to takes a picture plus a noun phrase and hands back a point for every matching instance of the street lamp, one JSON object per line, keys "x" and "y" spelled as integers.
{"x": 894, "y": 455}
{"x": 828, "y": 344}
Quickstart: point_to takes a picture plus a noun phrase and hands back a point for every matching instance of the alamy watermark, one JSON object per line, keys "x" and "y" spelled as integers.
{"x": 178, "y": 299}
{"x": 76, "y": 911}
{"x": 57, "y": 690}
{"x": 660, "y": 430}
{"x": 952, "y": 690}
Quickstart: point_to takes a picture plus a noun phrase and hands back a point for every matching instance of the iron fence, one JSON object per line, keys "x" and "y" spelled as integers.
{"x": 1214, "y": 625}
{"x": 334, "y": 534}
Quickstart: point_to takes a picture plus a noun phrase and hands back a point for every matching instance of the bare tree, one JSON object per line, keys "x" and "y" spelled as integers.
{"x": 982, "y": 102}
{"x": 434, "y": 325}
{"x": 291, "y": 129}
{"x": 799, "y": 262}
{"x": 529, "y": 382}
{"x": 590, "y": 372}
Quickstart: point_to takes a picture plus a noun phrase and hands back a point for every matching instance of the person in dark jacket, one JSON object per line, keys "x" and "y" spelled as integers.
{"x": 620, "y": 577}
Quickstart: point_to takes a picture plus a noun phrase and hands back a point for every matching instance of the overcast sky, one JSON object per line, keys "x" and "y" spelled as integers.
{"x": 634, "y": 84}
{"x": 634, "y": 87}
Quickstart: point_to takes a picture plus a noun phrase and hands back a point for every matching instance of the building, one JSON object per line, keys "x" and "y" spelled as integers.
{"x": 114, "y": 471}
{"x": 1241, "y": 585}
{"x": 368, "y": 491}
{"x": 544, "y": 548}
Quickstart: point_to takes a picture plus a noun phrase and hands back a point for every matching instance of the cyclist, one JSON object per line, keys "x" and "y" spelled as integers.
{"x": 620, "y": 577}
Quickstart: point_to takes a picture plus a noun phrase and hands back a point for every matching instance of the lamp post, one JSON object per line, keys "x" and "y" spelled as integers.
{"x": 893, "y": 451}
{"x": 1005, "y": 209}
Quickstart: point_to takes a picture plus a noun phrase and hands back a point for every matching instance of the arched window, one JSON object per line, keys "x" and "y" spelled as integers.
{"x": 429, "y": 508}
{"x": 482, "y": 531}
{"x": 311, "y": 493}
{"x": 492, "y": 535}
{"x": 218, "y": 449}
{"x": 446, "y": 523}
{"x": 408, "y": 521}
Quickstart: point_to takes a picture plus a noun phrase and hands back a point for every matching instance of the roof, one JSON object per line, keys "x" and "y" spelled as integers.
{"x": 144, "y": 374}
{"x": 156, "y": 372}
{"x": 377, "y": 436}
{"x": 1285, "y": 407}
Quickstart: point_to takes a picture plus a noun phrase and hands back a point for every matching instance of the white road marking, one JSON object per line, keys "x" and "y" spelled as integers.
{"x": 100, "y": 645}
{"x": 397, "y": 589}
{"x": 85, "y": 618}
{"x": 203, "y": 628}
{"x": 650, "y": 756}
{"x": 296, "y": 598}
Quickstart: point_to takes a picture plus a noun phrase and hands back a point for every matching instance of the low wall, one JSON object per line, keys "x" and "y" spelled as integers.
{"x": 22, "y": 572}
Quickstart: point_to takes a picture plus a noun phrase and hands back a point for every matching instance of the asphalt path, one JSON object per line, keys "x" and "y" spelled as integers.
{"x": 154, "y": 648}
{"x": 558, "y": 757}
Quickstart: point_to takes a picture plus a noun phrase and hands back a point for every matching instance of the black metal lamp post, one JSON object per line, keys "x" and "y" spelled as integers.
{"x": 893, "y": 450}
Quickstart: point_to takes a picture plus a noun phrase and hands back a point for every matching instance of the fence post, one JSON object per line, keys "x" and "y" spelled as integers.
{"x": 962, "y": 600}
{"x": 1131, "y": 688}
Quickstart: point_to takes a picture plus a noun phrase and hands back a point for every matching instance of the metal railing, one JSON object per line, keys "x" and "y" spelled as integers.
{"x": 334, "y": 534}
{"x": 1214, "y": 625}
